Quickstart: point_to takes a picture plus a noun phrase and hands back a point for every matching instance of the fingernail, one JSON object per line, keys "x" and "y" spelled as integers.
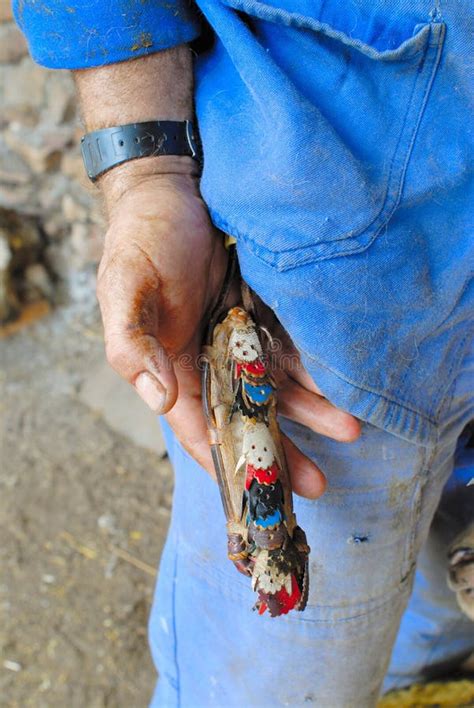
{"x": 151, "y": 391}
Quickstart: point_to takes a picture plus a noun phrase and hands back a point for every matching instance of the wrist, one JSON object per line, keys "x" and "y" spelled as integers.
{"x": 164, "y": 169}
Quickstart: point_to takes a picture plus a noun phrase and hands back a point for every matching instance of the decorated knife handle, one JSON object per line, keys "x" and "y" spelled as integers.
{"x": 239, "y": 394}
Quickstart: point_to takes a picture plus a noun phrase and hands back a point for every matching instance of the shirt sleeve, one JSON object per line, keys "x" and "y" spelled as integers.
{"x": 79, "y": 34}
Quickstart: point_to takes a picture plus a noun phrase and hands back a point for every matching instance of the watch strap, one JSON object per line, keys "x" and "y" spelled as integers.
{"x": 109, "y": 147}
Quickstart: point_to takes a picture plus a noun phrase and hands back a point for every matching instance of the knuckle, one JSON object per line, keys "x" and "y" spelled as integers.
{"x": 116, "y": 356}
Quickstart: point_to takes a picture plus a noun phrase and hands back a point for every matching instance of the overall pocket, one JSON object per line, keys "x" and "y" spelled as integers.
{"x": 334, "y": 121}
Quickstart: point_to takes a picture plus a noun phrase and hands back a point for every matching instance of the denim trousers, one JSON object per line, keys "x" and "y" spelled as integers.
{"x": 366, "y": 534}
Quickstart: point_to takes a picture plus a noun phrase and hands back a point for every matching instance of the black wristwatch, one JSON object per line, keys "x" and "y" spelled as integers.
{"x": 107, "y": 148}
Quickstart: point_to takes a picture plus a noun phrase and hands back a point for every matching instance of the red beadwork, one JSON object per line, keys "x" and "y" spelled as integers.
{"x": 254, "y": 368}
{"x": 269, "y": 475}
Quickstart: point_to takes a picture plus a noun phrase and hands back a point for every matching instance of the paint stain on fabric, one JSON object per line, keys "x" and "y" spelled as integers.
{"x": 143, "y": 41}
{"x": 398, "y": 492}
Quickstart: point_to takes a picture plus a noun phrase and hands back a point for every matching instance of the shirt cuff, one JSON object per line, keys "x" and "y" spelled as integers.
{"x": 80, "y": 34}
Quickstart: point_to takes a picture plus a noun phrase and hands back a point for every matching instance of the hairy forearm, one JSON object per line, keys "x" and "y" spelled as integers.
{"x": 155, "y": 87}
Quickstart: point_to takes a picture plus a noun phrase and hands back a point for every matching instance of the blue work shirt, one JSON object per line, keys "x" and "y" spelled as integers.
{"x": 336, "y": 151}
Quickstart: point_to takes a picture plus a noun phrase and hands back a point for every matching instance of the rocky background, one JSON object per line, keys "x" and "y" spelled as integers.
{"x": 50, "y": 220}
{"x": 85, "y": 486}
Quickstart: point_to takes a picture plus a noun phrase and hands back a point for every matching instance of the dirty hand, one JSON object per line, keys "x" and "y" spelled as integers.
{"x": 163, "y": 262}
{"x": 161, "y": 271}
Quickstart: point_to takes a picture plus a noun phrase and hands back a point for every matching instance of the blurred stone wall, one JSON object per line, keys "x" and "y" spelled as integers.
{"x": 50, "y": 219}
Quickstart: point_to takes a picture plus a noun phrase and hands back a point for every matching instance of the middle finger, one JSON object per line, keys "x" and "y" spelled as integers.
{"x": 316, "y": 412}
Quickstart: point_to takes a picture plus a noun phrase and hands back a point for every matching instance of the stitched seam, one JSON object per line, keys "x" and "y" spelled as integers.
{"x": 220, "y": 580}
{"x": 427, "y": 464}
{"x": 362, "y": 615}
{"x": 409, "y": 560}
{"x": 428, "y": 88}
{"x": 424, "y": 100}
{"x": 269, "y": 13}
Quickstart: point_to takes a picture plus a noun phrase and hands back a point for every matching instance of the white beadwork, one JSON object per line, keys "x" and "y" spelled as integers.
{"x": 244, "y": 344}
{"x": 258, "y": 447}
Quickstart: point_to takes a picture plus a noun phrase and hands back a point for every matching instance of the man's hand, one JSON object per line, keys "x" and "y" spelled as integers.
{"x": 163, "y": 266}
{"x": 161, "y": 272}
{"x": 161, "y": 269}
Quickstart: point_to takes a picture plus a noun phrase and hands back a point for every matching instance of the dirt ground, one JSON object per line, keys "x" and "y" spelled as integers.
{"x": 83, "y": 516}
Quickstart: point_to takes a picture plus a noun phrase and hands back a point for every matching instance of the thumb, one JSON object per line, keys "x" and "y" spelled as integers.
{"x": 143, "y": 362}
{"x": 129, "y": 296}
